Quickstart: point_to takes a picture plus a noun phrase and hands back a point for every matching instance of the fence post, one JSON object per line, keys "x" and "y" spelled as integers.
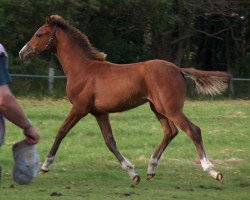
{"x": 51, "y": 78}
{"x": 231, "y": 87}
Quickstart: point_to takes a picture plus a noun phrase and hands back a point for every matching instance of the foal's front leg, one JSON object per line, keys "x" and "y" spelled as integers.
{"x": 74, "y": 116}
{"x": 103, "y": 121}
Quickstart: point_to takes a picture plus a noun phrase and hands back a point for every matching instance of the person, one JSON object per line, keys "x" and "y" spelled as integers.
{"x": 9, "y": 107}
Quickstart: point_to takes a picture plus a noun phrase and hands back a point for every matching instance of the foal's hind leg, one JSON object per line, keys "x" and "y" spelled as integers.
{"x": 194, "y": 133}
{"x": 170, "y": 131}
{"x": 103, "y": 121}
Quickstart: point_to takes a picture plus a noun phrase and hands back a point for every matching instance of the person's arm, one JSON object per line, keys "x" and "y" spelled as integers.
{"x": 11, "y": 110}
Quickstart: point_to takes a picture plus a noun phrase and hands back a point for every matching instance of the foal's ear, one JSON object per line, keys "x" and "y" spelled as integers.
{"x": 48, "y": 20}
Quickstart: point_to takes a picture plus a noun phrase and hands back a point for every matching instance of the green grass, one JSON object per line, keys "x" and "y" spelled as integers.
{"x": 85, "y": 169}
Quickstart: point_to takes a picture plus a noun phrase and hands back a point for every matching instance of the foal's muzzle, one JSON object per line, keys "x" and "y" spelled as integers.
{"x": 27, "y": 52}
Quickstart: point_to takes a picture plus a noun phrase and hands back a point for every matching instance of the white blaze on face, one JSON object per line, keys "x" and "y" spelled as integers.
{"x": 21, "y": 51}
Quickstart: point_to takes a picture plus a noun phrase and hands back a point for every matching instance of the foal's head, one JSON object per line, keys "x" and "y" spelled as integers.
{"x": 43, "y": 40}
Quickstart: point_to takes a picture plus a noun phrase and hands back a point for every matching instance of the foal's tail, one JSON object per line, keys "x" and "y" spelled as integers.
{"x": 208, "y": 82}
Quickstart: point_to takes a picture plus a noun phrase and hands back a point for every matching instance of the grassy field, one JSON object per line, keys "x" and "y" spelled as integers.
{"x": 85, "y": 169}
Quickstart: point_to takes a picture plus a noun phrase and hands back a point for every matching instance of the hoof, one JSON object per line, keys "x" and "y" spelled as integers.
{"x": 43, "y": 171}
{"x": 136, "y": 179}
{"x": 219, "y": 177}
{"x": 150, "y": 176}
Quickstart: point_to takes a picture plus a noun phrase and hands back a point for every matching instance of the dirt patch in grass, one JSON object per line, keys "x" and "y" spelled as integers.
{"x": 244, "y": 185}
{"x": 125, "y": 194}
{"x": 210, "y": 187}
{"x": 234, "y": 160}
{"x": 225, "y": 162}
{"x": 56, "y": 194}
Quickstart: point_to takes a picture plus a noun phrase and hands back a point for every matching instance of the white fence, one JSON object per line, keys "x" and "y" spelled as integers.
{"x": 51, "y": 78}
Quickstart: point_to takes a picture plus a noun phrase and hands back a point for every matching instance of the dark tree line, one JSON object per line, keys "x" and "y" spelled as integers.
{"x": 206, "y": 34}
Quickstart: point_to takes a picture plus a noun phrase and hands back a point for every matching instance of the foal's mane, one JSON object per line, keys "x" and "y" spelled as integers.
{"x": 80, "y": 38}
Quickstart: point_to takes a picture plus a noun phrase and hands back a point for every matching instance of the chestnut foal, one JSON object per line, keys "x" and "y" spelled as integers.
{"x": 99, "y": 87}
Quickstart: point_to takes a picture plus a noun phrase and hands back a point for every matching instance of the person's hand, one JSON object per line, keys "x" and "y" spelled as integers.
{"x": 32, "y": 135}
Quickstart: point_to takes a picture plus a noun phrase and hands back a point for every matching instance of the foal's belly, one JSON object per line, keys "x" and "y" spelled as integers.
{"x": 112, "y": 103}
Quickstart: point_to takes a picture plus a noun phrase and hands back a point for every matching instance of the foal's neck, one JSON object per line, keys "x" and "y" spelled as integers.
{"x": 71, "y": 55}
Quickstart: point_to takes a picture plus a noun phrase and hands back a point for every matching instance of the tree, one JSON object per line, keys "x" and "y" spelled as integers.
{"x": 210, "y": 34}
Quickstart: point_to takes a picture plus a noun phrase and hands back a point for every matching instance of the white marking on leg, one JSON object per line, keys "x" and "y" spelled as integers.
{"x": 214, "y": 173}
{"x": 206, "y": 164}
{"x": 127, "y": 166}
{"x": 208, "y": 167}
{"x": 47, "y": 163}
{"x": 153, "y": 162}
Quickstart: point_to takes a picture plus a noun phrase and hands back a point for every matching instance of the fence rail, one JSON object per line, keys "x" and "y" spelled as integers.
{"x": 240, "y": 79}
{"x": 35, "y": 76}
{"x": 47, "y": 76}
{"x": 51, "y": 78}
